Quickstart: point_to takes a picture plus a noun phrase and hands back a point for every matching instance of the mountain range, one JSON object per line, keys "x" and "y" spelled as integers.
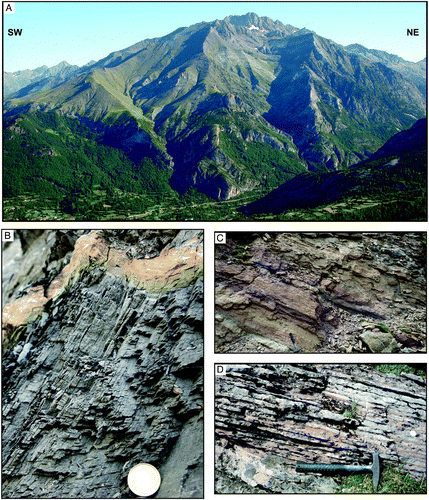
{"x": 34, "y": 80}
{"x": 413, "y": 71}
{"x": 220, "y": 108}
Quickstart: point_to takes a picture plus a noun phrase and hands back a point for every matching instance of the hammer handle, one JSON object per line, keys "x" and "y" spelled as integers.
{"x": 332, "y": 468}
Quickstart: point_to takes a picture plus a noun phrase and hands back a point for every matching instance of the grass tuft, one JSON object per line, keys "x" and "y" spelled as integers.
{"x": 393, "y": 480}
{"x": 397, "y": 369}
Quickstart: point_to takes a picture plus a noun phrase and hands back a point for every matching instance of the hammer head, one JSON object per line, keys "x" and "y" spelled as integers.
{"x": 375, "y": 469}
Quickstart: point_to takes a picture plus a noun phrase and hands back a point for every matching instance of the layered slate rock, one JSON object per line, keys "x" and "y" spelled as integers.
{"x": 334, "y": 292}
{"x": 113, "y": 369}
{"x": 268, "y": 417}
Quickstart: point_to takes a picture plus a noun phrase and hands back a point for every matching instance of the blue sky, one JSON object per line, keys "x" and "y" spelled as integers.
{"x": 80, "y": 31}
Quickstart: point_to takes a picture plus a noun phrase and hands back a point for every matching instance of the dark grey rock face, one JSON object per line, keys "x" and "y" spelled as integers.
{"x": 114, "y": 377}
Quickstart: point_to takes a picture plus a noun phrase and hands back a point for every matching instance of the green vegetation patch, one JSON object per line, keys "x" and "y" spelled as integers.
{"x": 352, "y": 411}
{"x": 382, "y": 327}
{"x": 393, "y": 480}
{"x": 240, "y": 253}
{"x": 13, "y": 336}
{"x": 57, "y": 166}
{"x": 397, "y": 369}
{"x": 267, "y": 166}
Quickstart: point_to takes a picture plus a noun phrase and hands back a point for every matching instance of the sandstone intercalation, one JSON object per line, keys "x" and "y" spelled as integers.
{"x": 335, "y": 292}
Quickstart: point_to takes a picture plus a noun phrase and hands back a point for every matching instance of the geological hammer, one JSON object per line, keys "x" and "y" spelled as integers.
{"x": 338, "y": 468}
{"x": 297, "y": 349}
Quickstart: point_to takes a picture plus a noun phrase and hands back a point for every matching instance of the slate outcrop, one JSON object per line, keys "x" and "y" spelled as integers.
{"x": 114, "y": 373}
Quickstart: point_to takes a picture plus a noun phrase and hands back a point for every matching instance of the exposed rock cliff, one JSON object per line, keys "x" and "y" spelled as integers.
{"x": 102, "y": 363}
{"x": 268, "y": 417}
{"x": 334, "y": 292}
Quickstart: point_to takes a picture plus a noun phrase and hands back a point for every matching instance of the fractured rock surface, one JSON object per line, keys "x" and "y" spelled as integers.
{"x": 334, "y": 292}
{"x": 112, "y": 373}
{"x": 268, "y": 417}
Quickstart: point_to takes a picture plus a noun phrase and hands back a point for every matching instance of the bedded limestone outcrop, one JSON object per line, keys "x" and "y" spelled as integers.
{"x": 268, "y": 417}
{"x": 112, "y": 373}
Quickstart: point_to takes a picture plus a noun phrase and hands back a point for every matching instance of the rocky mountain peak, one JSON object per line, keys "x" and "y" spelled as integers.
{"x": 253, "y": 22}
{"x": 61, "y": 65}
{"x": 246, "y": 21}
